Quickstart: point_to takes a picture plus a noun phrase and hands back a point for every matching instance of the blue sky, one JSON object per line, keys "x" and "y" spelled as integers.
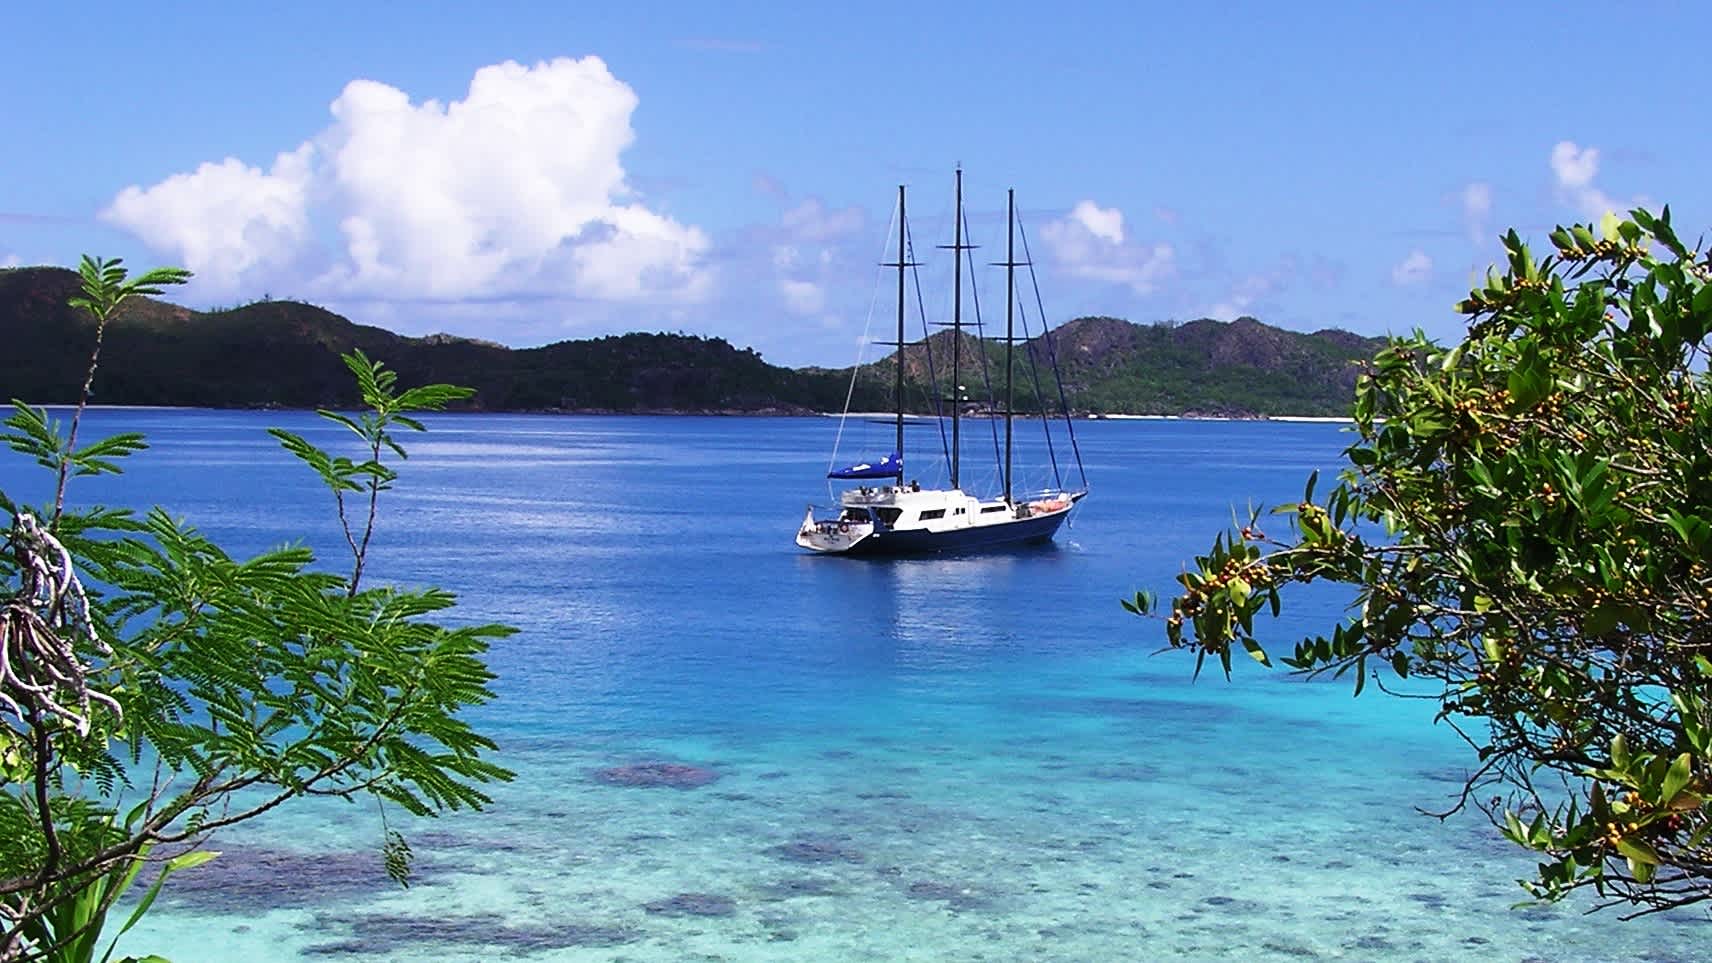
{"x": 532, "y": 172}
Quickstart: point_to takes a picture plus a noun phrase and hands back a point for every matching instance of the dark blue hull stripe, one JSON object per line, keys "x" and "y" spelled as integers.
{"x": 1039, "y": 528}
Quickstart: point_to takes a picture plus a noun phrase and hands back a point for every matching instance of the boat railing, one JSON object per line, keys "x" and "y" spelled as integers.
{"x": 867, "y": 495}
{"x": 836, "y": 527}
{"x": 1043, "y": 494}
{"x": 834, "y": 514}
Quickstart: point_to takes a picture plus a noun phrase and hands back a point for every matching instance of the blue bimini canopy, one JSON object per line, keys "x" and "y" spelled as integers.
{"x": 890, "y": 466}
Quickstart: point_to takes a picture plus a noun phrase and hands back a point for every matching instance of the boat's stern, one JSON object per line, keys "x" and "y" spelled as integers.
{"x": 831, "y": 535}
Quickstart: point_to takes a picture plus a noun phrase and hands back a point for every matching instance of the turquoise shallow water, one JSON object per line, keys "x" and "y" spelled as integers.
{"x": 937, "y": 759}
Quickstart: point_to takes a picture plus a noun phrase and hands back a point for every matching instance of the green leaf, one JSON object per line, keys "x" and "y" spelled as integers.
{"x": 1639, "y": 852}
{"x": 1601, "y": 620}
{"x": 1255, "y": 651}
{"x": 1694, "y": 531}
{"x": 1529, "y": 381}
{"x": 190, "y": 860}
{"x": 1513, "y": 827}
{"x": 1482, "y": 477}
{"x": 345, "y": 420}
{"x": 1677, "y": 778}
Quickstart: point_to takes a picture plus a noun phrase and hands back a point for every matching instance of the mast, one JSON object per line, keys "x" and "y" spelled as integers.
{"x": 957, "y": 331}
{"x": 898, "y": 388}
{"x": 1010, "y": 334}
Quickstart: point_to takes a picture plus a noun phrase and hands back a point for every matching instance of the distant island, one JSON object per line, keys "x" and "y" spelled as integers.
{"x": 286, "y": 354}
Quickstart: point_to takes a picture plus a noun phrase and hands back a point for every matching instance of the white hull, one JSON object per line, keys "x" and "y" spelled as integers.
{"x": 896, "y": 519}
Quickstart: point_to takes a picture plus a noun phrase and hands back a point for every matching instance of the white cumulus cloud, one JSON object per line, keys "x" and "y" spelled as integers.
{"x": 809, "y": 247}
{"x": 1476, "y": 200}
{"x": 1249, "y": 295}
{"x": 1239, "y": 301}
{"x": 802, "y": 297}
{"x": 1089, "y": 243}
{"x": 1104, "y": 223}
{"x": 1414, "y": 269}
{"x": 1574, "y": 168}
{"x": 224, "y": 220}
{"x": 517, "y": 190}
{"x": 811, "y": 220}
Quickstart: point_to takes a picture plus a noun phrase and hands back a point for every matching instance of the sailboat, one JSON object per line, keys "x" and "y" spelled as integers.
{"x": 882, "y": 515}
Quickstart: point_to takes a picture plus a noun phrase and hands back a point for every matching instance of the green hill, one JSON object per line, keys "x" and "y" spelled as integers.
{"x": 286, "y": 354}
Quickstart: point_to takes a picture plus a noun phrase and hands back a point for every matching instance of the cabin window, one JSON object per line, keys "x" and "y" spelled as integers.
{"x": 992, "y": 508}
{"x": 889, "y": 515}
{"x": 933, "y": 513}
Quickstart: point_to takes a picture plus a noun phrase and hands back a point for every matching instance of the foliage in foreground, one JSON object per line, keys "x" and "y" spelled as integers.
{"x": 1526, "y": 519}
{"x": 154, "y": 689}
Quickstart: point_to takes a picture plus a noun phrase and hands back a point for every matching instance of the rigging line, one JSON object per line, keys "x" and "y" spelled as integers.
{"x": 927, "y": 343}
{"x": 927, "y": 348}
{"x": 1034, "y": 375}
{"x": 861, "y": 352}
{"x": 1052, "y": 354}
{"x": 981, "y": 341}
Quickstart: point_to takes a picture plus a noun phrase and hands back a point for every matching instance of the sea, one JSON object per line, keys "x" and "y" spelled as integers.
{"x": 979, "y": 758}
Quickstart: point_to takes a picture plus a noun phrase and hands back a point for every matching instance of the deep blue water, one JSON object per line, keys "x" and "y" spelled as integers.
{"x": 976, "y": 758}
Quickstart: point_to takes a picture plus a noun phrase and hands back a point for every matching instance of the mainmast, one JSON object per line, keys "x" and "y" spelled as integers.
{"x": 1010, "y": 334}
{"x": 957, "y": 332}
{"x": 898, "y": 388}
